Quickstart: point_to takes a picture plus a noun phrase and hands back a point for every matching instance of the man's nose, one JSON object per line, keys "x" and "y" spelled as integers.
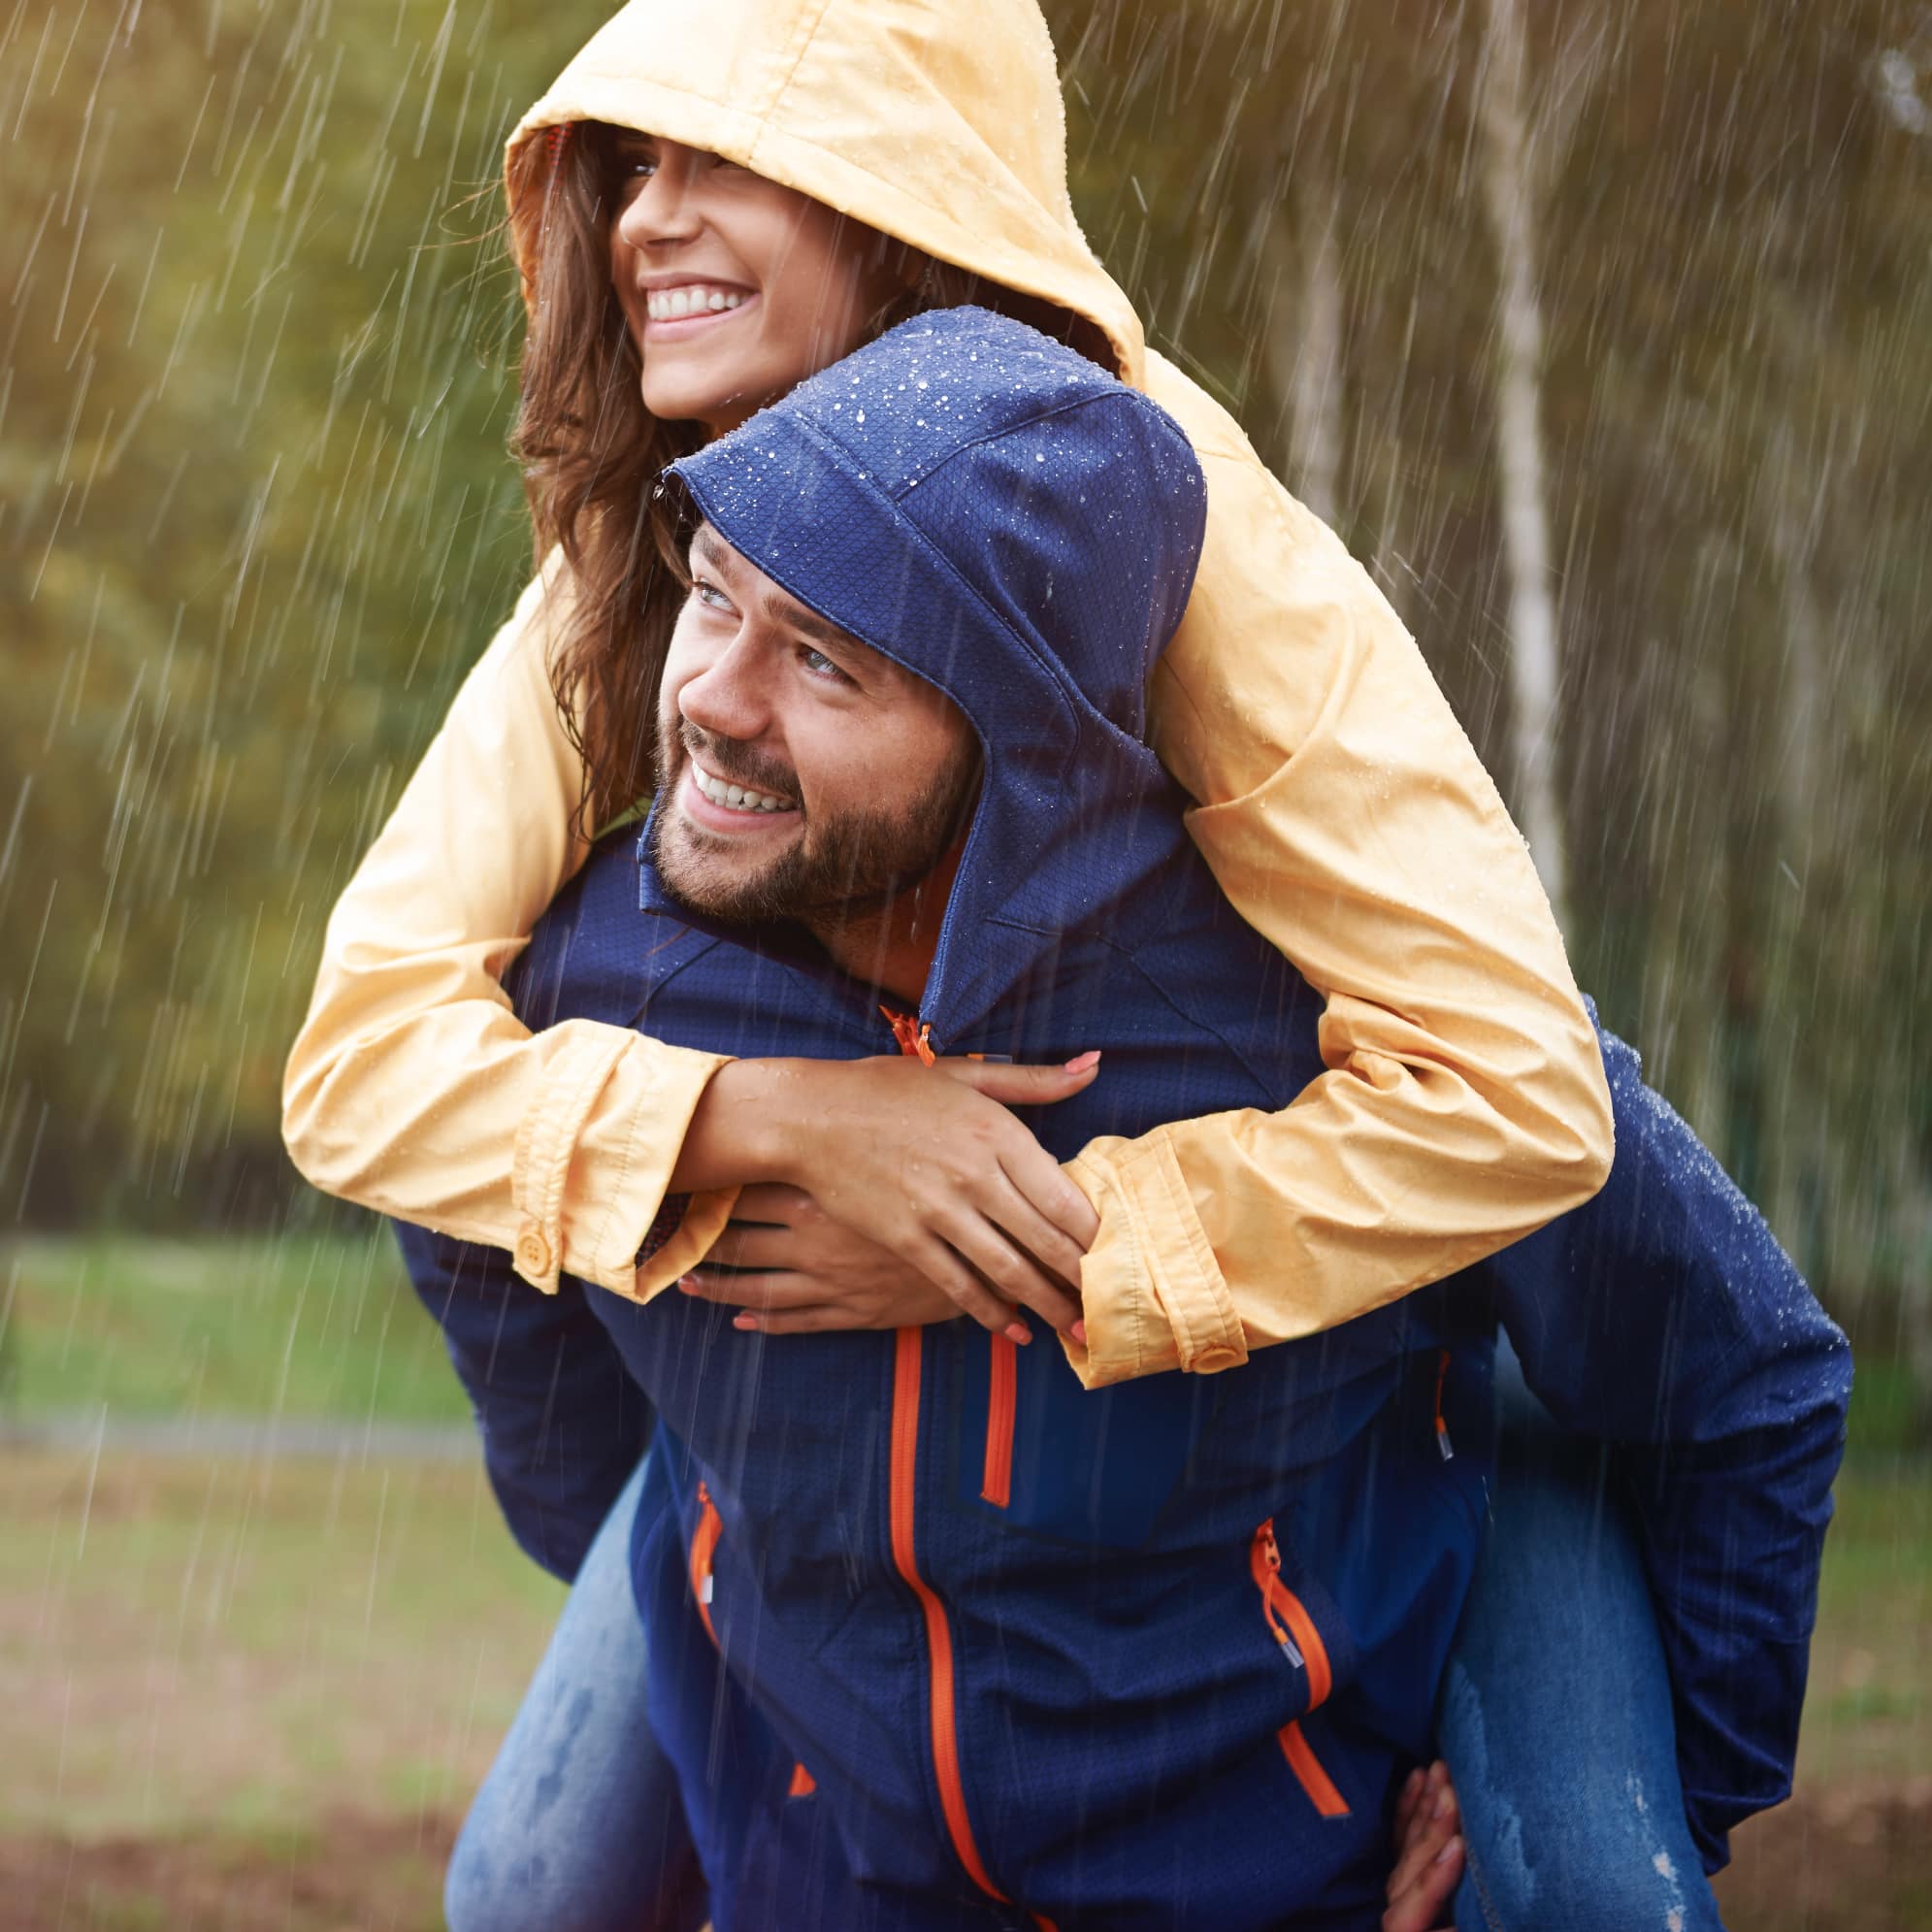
{"x": 665, "y": 209}
{"x": 728, "y": 699}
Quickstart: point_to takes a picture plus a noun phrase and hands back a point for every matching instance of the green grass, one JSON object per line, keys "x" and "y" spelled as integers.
{"x": 306, "y": 1326}
{"x": 244, "y": 1647}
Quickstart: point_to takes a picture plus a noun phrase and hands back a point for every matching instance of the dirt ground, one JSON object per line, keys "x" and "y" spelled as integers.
{"x": 1839, "y": 1864}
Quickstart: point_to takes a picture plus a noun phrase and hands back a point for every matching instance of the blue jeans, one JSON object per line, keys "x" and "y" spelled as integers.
{"x": 578, "y": 1826}
{"x": 1555, "y": 1718}
{"x": 1554, "y": 1714}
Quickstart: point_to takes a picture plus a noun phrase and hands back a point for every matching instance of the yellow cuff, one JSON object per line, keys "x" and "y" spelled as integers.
{"x": 703, "y": 1222}
{"x": 1153, "y": 1295}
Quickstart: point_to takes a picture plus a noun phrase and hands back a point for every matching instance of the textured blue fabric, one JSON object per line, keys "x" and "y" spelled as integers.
{"x": 1119, "y": 1689}
{"x": 561, "y": 1421}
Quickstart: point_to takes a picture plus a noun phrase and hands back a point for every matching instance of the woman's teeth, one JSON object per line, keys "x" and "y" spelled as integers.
{"x": 673, "y": 305}
{"x": 736, "y": 798}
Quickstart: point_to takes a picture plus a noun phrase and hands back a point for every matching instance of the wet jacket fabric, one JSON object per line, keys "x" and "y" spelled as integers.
{"x": 938, "y": 1636}
{"x": 1458, "y": 1102}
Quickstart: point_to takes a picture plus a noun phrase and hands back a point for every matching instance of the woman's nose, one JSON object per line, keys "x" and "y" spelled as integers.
{"x": 664, "y": 210}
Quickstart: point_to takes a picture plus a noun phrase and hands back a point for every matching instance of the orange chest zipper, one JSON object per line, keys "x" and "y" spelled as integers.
{"x": 995, "y": 1485}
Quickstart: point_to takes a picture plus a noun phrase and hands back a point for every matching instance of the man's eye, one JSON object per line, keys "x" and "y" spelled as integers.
{"x": 821, "y": 665}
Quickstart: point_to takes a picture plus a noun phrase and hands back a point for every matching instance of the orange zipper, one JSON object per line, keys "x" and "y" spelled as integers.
{"x": 908, "y": 1343}
{"x": 1296, "y": 1632}
{"x": 995, "y": 1485}
{"x": 704, "y": 1542}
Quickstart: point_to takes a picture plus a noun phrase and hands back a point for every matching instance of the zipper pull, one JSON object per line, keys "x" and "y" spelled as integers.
{"x": 914, "y": 1036}
{"x": 1442, "y": 1441}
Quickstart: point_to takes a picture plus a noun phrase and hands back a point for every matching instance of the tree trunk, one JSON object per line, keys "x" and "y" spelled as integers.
{"x": 1509, "y": 182}
{"x": 1305, "y": 343}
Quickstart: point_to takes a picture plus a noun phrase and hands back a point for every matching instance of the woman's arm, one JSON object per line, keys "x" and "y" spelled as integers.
{"x": 412, "y": 1087}
{"x": 1349, "y": 822}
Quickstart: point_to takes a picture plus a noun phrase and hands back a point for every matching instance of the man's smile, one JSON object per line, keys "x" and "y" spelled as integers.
{"x": 724, "y": 804}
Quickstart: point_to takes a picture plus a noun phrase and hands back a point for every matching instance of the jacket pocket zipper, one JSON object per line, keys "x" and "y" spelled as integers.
{"x": 703, "y": 1545}
{"x": 1293, "y": 1630}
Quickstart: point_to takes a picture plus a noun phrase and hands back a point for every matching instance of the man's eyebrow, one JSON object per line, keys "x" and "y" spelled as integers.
{"x": 808, "y": 623}
{"x": 782, "y": 609}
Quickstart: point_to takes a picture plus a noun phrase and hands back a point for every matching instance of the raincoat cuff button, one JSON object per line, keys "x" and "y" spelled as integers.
{"x": 1212, "y": 1360}
{"x": 532, "y": 1256}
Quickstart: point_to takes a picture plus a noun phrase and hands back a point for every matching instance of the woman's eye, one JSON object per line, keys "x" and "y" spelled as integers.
{"x": 709, "y": 595}
{"x": 636, "y": 164}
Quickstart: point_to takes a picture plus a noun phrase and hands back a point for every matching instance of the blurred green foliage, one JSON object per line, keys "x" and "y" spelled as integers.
{"x": 296, "y": 1325}
{"x": 255, "y": 517}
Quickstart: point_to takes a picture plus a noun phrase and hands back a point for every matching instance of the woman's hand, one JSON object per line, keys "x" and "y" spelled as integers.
{"x": 1428, "y": 1852}
{"x": 795, "y": 1272}
{"x": 923, "y": 1161}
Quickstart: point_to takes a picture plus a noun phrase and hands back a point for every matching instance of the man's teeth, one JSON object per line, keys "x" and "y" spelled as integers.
{"x": 673, "y": 305}
{"x": 737, "y": 797}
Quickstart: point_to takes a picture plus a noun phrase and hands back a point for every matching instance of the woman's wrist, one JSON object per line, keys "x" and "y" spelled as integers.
{"x": 744, "y": 1129}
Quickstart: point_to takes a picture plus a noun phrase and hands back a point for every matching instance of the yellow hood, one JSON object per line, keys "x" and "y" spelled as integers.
{"x": 936, "y": 121}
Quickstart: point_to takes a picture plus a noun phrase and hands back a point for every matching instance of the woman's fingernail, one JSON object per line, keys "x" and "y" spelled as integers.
{"x": 1443, "y": 1856}
{"x": 1445, "y": 1802}
{"x": 686, "y": 1286}
{"x": 1079, "y": 1332}
{"x": 747, "y": 1322}
{"x": 1081, "y": 1063}
{"x": 1018, "y": 1333}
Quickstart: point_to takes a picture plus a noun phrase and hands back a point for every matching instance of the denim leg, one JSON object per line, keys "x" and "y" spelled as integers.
{"x": 578, "y": 1824}
{"x": 1556, "y": 1712}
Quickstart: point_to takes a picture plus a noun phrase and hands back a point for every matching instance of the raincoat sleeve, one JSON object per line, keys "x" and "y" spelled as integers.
{"x": 563, "y": 1425}
{"x": 1349, "y": 820}
{"x": 412, "y": 1088}
{"x": 1665, "y": 1319}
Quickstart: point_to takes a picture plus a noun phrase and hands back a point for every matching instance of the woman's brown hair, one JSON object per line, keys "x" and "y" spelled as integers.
{"x": 591, "y": 455}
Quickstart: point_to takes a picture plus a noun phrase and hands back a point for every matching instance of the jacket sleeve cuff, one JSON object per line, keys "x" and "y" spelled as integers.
{"x": 594, "y": 1157}
{"x": 1153, "y": 1295}
{"x": 703, "y": 1221}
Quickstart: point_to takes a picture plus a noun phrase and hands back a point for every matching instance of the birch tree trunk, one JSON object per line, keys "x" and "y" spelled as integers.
{"x": 1306, "y": 349}
{"x": 1509, "y": 193}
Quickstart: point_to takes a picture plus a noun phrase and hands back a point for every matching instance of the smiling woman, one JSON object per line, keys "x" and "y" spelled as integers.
{"x": 733, "y": 286}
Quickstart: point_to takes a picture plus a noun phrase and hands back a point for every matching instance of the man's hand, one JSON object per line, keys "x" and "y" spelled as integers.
{"x": 795, "y": 1272}
{"x": 1428, "y": 1852}
{"x": 924, "y": 1162}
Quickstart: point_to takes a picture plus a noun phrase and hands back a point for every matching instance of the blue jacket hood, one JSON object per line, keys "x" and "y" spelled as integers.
{"x": 1019, "y": 528}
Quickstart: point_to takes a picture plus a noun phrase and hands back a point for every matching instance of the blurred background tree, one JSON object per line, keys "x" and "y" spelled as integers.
{"x": 256, "y": 519}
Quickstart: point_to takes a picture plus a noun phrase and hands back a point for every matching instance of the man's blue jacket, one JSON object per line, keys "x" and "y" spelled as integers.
{"x": 939, "y": 1638}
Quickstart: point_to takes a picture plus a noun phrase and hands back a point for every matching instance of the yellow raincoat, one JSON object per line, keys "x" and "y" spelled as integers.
{"x": 1339, "y": 803}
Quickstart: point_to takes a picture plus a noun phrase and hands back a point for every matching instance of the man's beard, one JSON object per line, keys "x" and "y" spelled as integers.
{"x": 841, "y": 867}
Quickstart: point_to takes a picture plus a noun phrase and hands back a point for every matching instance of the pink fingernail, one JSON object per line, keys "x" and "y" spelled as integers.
{"x": 1442, "y": 1858}
{"x": 1079, "y": 1332}
{"x": 746, "y": 1322}
{"x": 1082, "y": 1061}
{"x": 1018, "y": 1333}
